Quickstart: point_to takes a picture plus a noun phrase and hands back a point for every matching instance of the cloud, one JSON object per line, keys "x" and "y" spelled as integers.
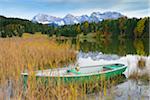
{"x": 75, "y": 7}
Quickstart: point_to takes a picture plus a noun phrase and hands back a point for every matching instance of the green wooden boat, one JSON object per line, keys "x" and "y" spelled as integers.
{"x": 82, "y": 74}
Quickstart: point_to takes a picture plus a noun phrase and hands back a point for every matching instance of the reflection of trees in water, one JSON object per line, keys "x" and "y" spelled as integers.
{"x": 139, "y": 46}
{"x": 122, "y": 47}
{"x": 122, "y": 50}
{"x": 106, "y": 42}
{"x": 106, "y": 45}
{"x": 102, "y": 45}
{"x": 87, "y": 46}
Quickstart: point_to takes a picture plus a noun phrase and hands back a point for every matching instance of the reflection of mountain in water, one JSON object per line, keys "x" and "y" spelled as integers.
{"x": 98, "y": 55}
{"x": 125, "y": 89}
{"x": 128, "y": 90}
{"x": 97, "y": 58}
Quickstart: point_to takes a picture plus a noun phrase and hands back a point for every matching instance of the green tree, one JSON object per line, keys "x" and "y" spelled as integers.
{"x": 85, "y": 27}
{"x": 14, "y": 30}
{"x": 78, "y": 29}
{"x": 131, "y": 24}
{"x": 139, "y": 29}
{"x": 122, "y": 25}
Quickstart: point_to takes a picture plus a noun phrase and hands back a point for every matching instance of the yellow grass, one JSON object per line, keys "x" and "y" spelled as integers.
{"x": 35, "y": 35}
{"x": 141, "y": 63}
{"x": 137, "y": 76}
{"x": 18, "y": 55}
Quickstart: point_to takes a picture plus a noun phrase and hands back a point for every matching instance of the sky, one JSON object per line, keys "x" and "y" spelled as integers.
{"x": 27, "y": 9}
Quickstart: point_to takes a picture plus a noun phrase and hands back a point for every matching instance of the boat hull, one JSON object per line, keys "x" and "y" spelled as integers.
{"x": 75, "y": 79}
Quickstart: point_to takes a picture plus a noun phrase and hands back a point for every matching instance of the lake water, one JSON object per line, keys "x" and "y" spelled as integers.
{"x": 112, "y": 46}
{"x": 128, "y": 89}
{"x": 107, "y": 51}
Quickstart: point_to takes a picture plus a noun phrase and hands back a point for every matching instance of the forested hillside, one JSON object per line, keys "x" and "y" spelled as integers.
{"x": 124, "y": 27}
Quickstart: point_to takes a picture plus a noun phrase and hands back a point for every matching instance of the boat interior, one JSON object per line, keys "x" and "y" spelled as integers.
{"x": 82, "y": 71}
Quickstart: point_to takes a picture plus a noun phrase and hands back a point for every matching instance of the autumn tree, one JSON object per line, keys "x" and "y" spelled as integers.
{"x": 139, "y": 29}
{"x": 85, "y": 27}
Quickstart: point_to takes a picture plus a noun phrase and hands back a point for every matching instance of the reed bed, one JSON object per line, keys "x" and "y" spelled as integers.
{"x": 142, "y": 71}
{"x": 141, "y": 63}
{"x": 29, "y": 54}
{"x": 37, "y": 90}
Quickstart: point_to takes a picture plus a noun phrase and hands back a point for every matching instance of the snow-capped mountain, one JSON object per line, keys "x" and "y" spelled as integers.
{"x": 110, "y": 15}
{"x": 83, "y": 18}
{"x": 45, "y": 19}
{"x": 96, "y": 17}
{"x": 70, "y": 19}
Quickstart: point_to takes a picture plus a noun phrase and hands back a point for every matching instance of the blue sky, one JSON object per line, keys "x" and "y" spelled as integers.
{"x": 29, "y": 8}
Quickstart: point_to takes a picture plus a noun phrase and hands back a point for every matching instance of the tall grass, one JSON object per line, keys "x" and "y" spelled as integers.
{"x": 141, "y": 67}
{"x": 27, "y": 54}
{"x": 141, "y": 63}
{"x": 72, "y": 91}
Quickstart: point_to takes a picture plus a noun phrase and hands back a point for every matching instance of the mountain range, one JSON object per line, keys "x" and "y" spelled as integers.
{"x": 70, "y": 19}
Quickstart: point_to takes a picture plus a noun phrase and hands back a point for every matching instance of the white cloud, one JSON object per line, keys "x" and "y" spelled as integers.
{"x": 136, "y": 8}
{"x": 88, "y": 11}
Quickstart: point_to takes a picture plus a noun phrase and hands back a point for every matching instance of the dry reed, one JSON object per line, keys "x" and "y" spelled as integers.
{"x": 20, "y": 54}
{"x": 141, "y": 63}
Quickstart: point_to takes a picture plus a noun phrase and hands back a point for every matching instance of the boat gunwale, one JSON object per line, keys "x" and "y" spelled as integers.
{"x": 77, "y": 75}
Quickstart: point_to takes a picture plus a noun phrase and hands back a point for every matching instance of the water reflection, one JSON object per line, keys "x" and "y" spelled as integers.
{"x": 128, "y": 90}
{"x": 97, "y": 56}
{"x": 139, "y": 46}
{"x": 94, "y": 52}
{"x": 120, "y": 46}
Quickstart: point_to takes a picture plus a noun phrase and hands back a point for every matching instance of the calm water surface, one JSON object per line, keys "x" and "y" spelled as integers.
{"x": 112, "y": 46}
{"x": 126, "y": 90}
{"x": 114, "y": 50}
